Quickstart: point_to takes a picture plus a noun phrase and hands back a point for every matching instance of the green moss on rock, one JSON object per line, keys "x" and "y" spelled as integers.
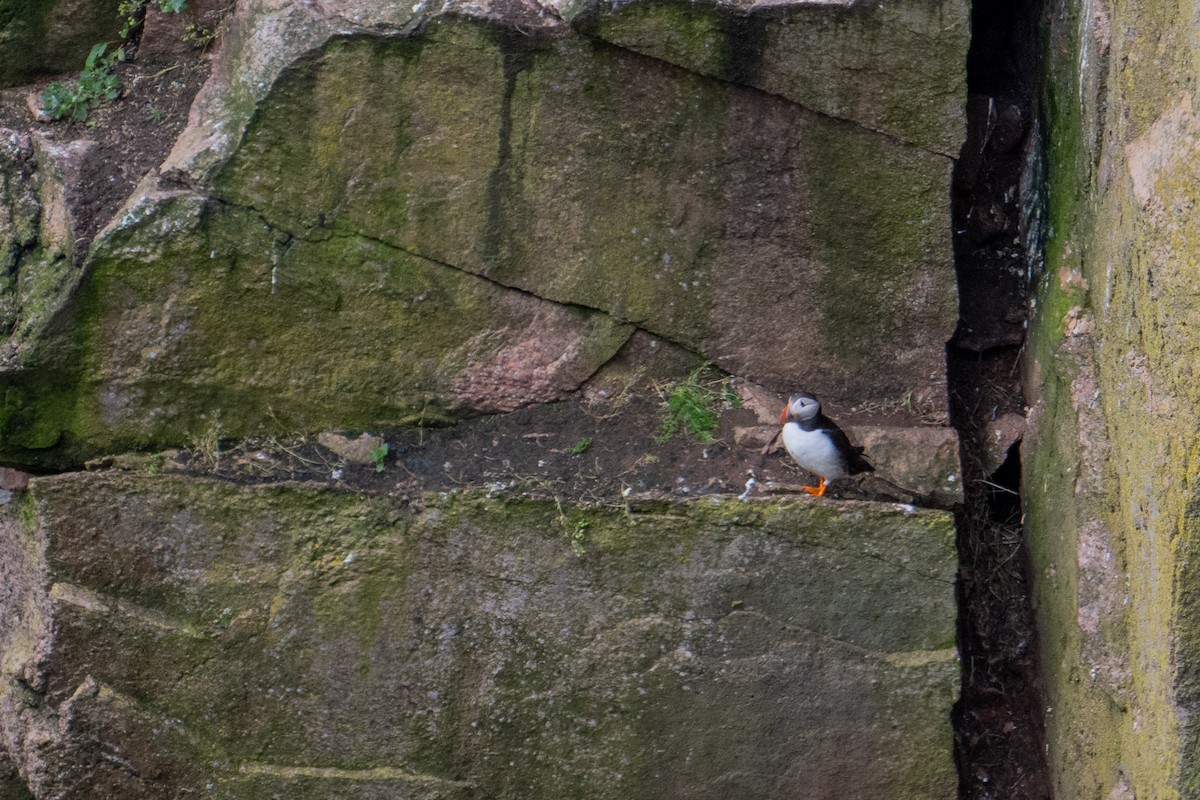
{"x": 692, "y": 36}
{"x": 410, "y": 226}
{"x": 238, "y": 328}
{"x": 464, "y": 650}
{"x": 1110, "y": 461}
{"x": 592, "y": 176}
{"x": 895, "y": 68}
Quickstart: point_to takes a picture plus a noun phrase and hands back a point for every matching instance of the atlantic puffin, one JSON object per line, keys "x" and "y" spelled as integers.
{"x": 817, "y": 444}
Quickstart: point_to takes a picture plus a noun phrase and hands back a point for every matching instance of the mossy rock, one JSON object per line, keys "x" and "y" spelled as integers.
{"x": 311, "y": 640}
{"x": 895, "y": 68}
{"x": 230, "y": 328}
{"x": 1110, "y": 458}
{"x": 468, "y": 219}
{"x": 782, "y": 244}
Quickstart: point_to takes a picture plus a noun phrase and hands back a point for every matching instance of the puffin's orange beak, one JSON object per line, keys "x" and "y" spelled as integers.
{"x": 783, "y": 416}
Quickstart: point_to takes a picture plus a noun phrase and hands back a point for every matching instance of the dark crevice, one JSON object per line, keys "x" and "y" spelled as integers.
{"x": 986, "y": 196}
{"x": 999, "y": 736}
{"x": 999, "y": 742}
{"x": 1003, "y": 494}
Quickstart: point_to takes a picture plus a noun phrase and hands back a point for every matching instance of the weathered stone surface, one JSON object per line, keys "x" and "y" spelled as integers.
{"x": 356, "y": 451}
{"x": 37, "y": 38}
{"x": 1001, "y": 434}
{"x": 260, "y": 40}
{"x": 380, "y": 216}
{"x": 592, "y": 188}
{"x": 62, "y": 188}
{"x": 757, "y": 436}
{"x": 227, "y": 325}
{"x": 775, "y": 241}
{"x": 853, "y": 61}
{"x": 599, "y": 178}
{"x": 922, "y": 460}
{"x": 173, "y": 35}
{"x": 765, "y": 404}
{"x": 19, "y": 213}
{"x": 13, "y": 478}
{"x": 1110, "y": 457}
{"x": 40, "y": 186}
{"x": 176, "y": 634}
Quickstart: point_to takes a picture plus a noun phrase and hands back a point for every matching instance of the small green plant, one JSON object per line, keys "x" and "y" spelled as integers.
{"x": 729, "y": 397}
{"x": 199, "y": 36}
{"x": 581, "y": 446}
{"x": 575, "y": 535}
{"x": 223, "y": 620}
{"x": 95, "y": 84}
{"x": 574, "y": 531}
{"x": 695, "y": 406}
{"x": 379, "y": 456}
{"x": 206, "y": 448}
{"x": 132, "y": 16}
{"x": 98, "y": 82}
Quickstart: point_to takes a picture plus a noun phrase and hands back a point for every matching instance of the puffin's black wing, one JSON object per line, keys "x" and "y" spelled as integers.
{"x": 855, "y": 463}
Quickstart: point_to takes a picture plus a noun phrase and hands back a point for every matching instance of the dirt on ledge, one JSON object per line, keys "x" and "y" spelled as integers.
{"x": 588, "y": 450}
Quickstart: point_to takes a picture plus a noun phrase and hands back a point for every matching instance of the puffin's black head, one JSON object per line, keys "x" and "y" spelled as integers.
{"x": 801, "y": 406}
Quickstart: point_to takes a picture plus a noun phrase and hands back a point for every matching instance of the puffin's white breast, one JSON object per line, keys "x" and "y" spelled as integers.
{"x": 814, "y": 451}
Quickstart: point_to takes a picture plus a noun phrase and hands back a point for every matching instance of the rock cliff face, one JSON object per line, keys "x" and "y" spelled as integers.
{"x": 191, "y": 633}
{"x": 383, "y": 218}
{"x": 348, "y": 182}
{"x": 1111, "y": 466}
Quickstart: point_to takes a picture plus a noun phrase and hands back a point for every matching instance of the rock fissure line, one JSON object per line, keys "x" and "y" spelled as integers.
{"x": 343, "y": 774}
{"x": 808, "y": 633}
{"x": 877, "y": 557}
{"x": 637, "y": 326}
{"x": 890, "y": 137}
{"x": 90, "y": 600}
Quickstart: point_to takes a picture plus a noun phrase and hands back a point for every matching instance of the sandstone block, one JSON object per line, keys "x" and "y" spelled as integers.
{"x": 332, "y": 644}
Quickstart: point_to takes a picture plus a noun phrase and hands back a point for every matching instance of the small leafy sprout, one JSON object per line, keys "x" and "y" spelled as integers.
{"x": 132, "y": 15}
{"x": 695, "y": 407}
{"x": 580, "y": 446}
{"x": 224, "y": 619}
{"x": 575, "y": 535}
{"x": 730, "y": 398}
{"x": 574, "y": 531}
{"x": 198, "y": 35}
{"x": 379, "y": 456}
{"x": 95, "y": 84}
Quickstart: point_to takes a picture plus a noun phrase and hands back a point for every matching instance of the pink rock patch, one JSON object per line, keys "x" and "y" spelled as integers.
{"x": 543, "y": 360}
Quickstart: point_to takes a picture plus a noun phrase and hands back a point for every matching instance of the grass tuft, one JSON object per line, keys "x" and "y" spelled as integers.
{"x": 695, "y": 406}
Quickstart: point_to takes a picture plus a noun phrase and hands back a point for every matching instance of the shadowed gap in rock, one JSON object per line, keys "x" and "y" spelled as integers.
{"x": 999, "y": 737}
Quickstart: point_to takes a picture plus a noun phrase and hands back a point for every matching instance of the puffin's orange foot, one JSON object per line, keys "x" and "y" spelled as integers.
{"x": 816, "y": 491}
